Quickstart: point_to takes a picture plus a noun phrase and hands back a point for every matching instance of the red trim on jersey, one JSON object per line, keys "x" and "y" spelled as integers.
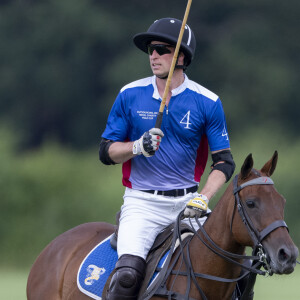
{"x": 201, "y": 159}
{"x": 126, "y": 170}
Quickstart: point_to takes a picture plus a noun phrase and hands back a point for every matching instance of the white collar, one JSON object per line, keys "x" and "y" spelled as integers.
{"x": 174, "y": 92}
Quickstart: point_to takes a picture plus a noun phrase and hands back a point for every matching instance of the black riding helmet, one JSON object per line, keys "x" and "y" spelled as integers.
{"x": 167, "y": 30}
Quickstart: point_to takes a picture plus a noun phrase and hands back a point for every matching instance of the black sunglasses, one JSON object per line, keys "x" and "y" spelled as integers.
{"x": 161, "y": 49}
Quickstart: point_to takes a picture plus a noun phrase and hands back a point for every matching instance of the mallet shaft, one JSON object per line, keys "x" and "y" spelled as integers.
{"x": 174, "y": 60}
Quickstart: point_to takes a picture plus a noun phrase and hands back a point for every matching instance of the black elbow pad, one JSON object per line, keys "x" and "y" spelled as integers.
{"x": 227, "y": 166}
{"x": 103, "y": 152}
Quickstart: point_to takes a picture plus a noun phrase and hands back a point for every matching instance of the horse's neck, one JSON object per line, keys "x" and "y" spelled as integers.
{"x": 218, "y": 224}
{"x": 218, "y": 228}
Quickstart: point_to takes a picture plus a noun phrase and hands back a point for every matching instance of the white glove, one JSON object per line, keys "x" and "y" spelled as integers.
{"x": 196, "y": 207}
{"x": 148, "y": 143}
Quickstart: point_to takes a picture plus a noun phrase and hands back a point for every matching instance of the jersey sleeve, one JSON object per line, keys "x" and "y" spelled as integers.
{"x": 216, "y": 128}
{"x": 117, "y": 123}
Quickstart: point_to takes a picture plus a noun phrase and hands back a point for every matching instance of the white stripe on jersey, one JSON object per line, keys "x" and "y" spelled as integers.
{"x": 192, "y": 85}
{"x": 140, "y": 82}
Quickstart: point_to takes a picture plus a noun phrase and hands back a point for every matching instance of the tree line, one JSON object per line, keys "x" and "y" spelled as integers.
{"x": 63, "y": 62}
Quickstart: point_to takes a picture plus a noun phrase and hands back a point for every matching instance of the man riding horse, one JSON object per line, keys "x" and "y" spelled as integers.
{"x": 160, "y": 184}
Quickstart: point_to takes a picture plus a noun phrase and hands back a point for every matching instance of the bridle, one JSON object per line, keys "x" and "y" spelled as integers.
{"x": 256, "y": 236}
{"x": 259, "y": 255}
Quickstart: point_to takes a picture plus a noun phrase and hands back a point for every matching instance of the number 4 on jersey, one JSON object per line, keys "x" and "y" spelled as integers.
{"x": 186, "y": 120}
{"x": 224, "y": 133}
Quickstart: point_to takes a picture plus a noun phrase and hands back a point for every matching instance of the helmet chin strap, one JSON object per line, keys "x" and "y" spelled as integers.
{"x": 162, "y": 77}
{"x": 183, "y": 67}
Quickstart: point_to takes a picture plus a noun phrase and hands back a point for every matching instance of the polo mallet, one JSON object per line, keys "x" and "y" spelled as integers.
{"x": 174, "y": 60}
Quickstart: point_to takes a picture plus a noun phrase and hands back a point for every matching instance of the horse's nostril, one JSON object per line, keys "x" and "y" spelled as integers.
{"x": 283, "y": 255}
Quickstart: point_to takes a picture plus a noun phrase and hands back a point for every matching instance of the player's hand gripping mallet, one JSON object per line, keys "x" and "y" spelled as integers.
{"x": 174, "y": 60}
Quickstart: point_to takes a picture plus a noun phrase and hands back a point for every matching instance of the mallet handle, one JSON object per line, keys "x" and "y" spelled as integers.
{"x": 167, "y": 87}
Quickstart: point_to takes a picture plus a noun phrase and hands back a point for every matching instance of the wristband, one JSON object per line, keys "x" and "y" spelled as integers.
{"x": 136, "y": 149}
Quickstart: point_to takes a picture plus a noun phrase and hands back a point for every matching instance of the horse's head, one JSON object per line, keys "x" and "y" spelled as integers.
{"x": 263, "y": 209}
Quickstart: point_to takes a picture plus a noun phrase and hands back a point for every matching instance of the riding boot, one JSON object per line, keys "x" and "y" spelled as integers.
{"x": 247, "y": 292}
{"x": 126, "y": 282}
{"x": 246, "y": 284}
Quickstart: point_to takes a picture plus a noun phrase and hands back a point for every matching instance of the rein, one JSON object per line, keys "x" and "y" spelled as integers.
{"x": 258, "y": 256}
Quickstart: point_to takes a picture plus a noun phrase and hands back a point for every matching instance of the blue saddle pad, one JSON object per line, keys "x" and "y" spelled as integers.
{"x": 98, "y": 265}
{"x": 96, "y": 268}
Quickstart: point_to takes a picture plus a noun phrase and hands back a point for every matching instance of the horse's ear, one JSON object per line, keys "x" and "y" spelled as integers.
{"x": 270, "y": 166}
{"x": 247, "y": 167}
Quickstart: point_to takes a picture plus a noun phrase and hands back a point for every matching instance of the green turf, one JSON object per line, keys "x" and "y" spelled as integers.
{"x": 13, "y": 286}
{"x": 278, "y": 287}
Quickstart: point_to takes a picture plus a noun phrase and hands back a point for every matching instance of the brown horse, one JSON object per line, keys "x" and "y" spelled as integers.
{"x": 252, "y": 201}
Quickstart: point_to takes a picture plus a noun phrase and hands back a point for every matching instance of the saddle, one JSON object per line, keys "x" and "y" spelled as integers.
{"x": 160, "y": 247}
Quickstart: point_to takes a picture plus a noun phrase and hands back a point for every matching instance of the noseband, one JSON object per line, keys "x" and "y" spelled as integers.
{"x": 256, "y": 236}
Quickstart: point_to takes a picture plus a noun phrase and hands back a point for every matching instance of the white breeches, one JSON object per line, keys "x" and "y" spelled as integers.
{"x": 144, "y": 216}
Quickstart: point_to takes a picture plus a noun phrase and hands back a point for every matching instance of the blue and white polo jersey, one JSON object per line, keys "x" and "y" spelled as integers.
{"x": 193, "y": 120}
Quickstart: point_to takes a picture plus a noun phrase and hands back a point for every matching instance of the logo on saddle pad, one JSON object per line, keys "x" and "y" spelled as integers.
{"x": 94, "y": 273}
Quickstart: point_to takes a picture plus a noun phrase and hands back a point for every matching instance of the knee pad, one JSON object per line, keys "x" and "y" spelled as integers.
{"x": 125, "y": 278}
{"x": 129, "y": 275}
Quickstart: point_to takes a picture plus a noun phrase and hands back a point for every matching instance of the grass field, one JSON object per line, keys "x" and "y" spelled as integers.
{"x": 13, "y": 286}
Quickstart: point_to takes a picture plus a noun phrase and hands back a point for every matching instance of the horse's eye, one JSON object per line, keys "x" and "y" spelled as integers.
{"x": 250, "y": 203}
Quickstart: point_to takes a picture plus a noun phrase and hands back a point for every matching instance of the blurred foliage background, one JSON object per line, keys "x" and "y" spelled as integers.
{"x": 62, "y": 65}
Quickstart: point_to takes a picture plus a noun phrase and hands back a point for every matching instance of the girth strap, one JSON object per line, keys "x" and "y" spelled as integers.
{"x": 163, "y": 292}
